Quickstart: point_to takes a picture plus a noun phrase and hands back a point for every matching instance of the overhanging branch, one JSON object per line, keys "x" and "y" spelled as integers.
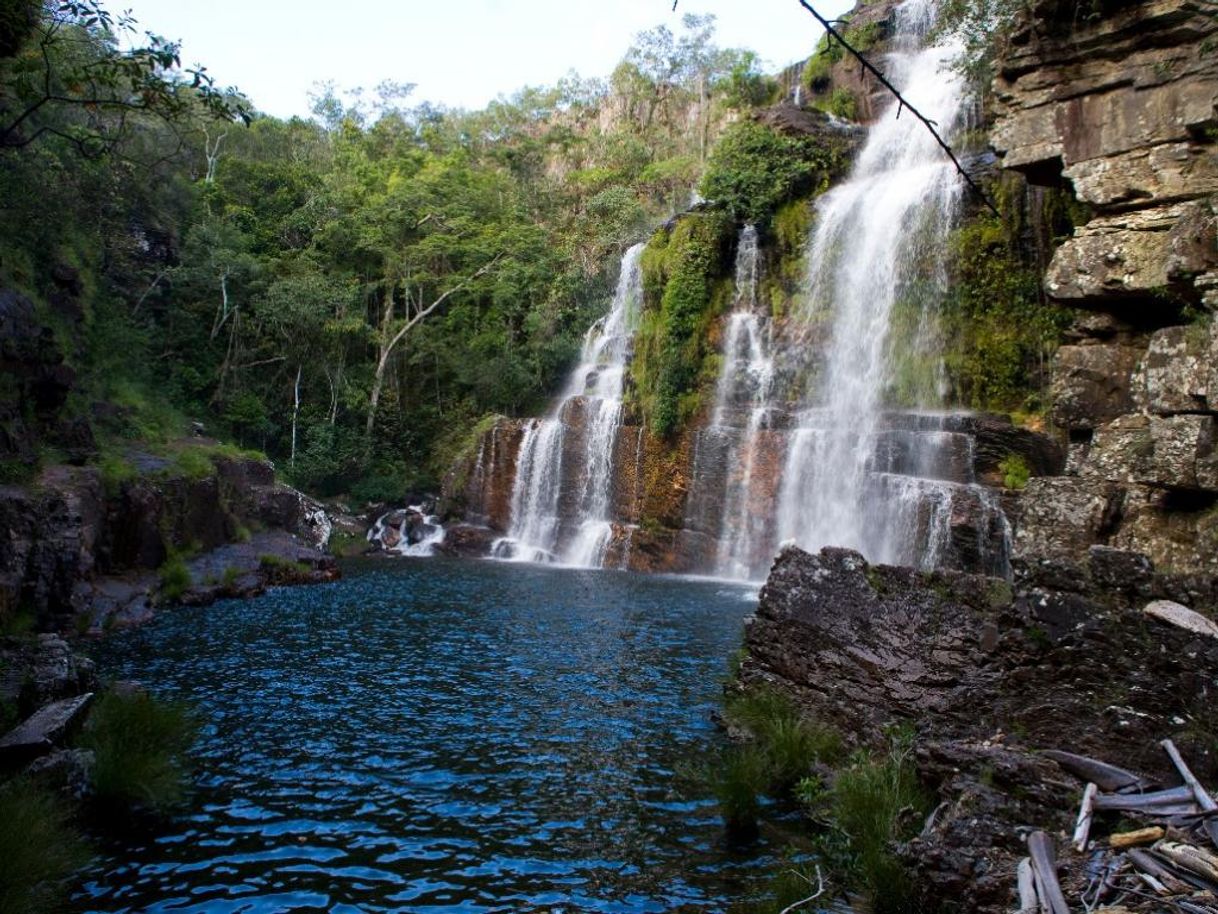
{"x": 902, "y": 104}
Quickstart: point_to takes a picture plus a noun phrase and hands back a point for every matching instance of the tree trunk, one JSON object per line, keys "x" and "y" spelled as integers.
{"x": 295, "y": 415}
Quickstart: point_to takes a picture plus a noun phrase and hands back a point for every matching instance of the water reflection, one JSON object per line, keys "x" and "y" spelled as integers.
{"x": 432, "y": 736}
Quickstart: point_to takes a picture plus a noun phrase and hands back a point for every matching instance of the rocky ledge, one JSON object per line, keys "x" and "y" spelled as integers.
{"x": 81, "y": 549}
{"x": 990, "y": 674}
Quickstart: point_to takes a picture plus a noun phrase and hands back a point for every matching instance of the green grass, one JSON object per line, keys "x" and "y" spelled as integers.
{"x": 39, "y": 850}
{"x": 141, "y": 745}
{"x": 175, "y": 578}
{"x": 876, "y": 801}
{"x": 194, "y": 462}
{"x": 737, "y": 779}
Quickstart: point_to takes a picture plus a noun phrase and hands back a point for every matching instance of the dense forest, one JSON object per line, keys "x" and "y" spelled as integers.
{"x": 349, "y": 293}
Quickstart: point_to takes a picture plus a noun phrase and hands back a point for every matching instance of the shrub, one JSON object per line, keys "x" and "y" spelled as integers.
{"x": 754, "y": 169}
{"x": 194, "y": 463}
{"x": 39, "y": 849}
{"x": 1015, "y": 471}
{"x": 115, "y": 471}
{"x": 141, "y": 744}
{"x": 876, "y": 800}
{"x": 175, "y": 578}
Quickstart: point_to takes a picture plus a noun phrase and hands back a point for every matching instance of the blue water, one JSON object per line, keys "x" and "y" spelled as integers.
{"x": 433, "y": 736}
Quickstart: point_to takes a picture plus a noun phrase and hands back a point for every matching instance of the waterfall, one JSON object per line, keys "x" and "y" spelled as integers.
{"x": 562, "y": 493}
{"x": 727, "y": 450}
{"x": 875, "y": 254}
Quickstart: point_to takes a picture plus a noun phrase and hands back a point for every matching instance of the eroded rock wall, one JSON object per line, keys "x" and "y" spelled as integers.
{"x": 1122, "y": 107}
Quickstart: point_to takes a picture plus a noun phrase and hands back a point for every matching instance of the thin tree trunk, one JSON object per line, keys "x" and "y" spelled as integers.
{"x": 295, "y": 414}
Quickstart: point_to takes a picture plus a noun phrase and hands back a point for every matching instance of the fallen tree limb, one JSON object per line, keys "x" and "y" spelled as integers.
{"x": 1103, "y": 775}
{"x": 1204, "y": 800}
{"x": 1044, "y": 863}
{"x": 1025, "y": 882}
{"x": 1082, "y": 828}
{"x": 1176, "y": 796}
{"x": 1135, "y": 838}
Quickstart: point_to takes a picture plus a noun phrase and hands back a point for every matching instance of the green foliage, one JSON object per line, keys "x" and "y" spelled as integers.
{"x": 116, "y": 470}
{"x": 877, "y": 801}
{"x": 1015, "y": 471}
{"x": 174, "y": 577}
{"x": 141, "y": 745}
{"x": 998, "y": 330}
{"x": 40, "y": 849}
{"x": 840, "y": 103}
{"x": 681, "y": 269}
{"x": 754, "y": 169}
{"x": 193, "y": 463}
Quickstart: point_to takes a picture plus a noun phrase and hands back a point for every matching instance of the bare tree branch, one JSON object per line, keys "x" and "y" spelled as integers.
{"x": 902, "y": 104}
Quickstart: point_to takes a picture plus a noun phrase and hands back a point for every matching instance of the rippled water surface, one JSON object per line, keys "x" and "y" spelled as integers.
{"x": 435, "y": 736}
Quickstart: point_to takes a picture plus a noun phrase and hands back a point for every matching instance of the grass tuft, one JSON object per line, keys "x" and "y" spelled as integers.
{"x": 141, "y": 745}
{"x": 39, "y": 849}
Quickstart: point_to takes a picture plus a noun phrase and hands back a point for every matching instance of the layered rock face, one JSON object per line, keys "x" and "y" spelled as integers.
{"x": 989, "y": 673}
{"x": 1124, "y": 108}
{"x": 68, "y": 546}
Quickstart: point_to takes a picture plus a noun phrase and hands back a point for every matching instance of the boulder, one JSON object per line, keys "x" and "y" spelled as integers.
{"x": 1174, "y": 452}
{"x": 46, "y": 728}
{"x": 468, "y": 541}
{"x": 1090, "y": 385}
{"x": 1176, "y": 372}
{"x": 1063, "y": 516}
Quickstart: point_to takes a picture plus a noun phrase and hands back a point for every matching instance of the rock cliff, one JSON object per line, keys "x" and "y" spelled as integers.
{"x": 1122, "y": 108}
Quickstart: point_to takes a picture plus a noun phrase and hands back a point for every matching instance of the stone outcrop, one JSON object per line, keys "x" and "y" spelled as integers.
{"x": 69, "y": 546}
{"x": 988, "y": 673}
{"x": 1123, "y": 108}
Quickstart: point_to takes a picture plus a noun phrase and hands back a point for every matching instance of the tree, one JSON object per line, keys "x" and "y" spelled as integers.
{"x": 70, "y": 79}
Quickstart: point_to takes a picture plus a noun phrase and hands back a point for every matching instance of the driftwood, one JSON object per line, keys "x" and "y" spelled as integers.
{"x": 1135, "y": 838}
{"x": 1083, "y": 827}
{"x": 1191, "y": 859}
{"x": 1044, "y": 864}
{"x": 1151, "y": 866}
{"x": 1103, "y": 775}
{"x": 1204, "y": 800}
{"x": 1175, "y": 797}
{"x": 1025, "y": 881}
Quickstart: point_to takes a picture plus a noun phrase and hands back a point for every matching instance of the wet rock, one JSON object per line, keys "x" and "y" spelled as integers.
{"x": 1120, "y": 570}
{"x": 46, "y": 728}
{"x": 67, "y": 771}
{"x": 467, "y": 541}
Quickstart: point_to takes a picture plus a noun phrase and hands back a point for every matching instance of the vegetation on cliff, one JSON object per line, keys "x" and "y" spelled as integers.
{"x": 343, "y": 292}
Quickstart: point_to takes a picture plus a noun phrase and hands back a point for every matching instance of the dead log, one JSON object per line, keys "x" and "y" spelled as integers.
{"x": 1194, "y": 860}
{"x": 1150, "y": 865}
{"x": 1044, "y": 864}
{"x": 1025, "y": 882}
{"x": 1176, "y": 796}
{"x": 1135, "y": 838}
{"x": 1204, "y": 800}
{"x": 1082, "y": 828}
{"x": 1105, "y": 776}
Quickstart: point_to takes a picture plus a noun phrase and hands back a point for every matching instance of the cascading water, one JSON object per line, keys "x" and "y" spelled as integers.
{"x": 543, "y": 528}
{"x": 857, "y": 473}
{"x": 741, "y": 412}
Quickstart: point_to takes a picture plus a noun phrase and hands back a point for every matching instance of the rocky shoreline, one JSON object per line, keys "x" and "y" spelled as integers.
{"x": 990, "y": 674}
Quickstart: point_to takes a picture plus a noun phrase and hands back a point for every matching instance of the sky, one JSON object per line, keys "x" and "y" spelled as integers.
{"x": 460, "y": 53}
